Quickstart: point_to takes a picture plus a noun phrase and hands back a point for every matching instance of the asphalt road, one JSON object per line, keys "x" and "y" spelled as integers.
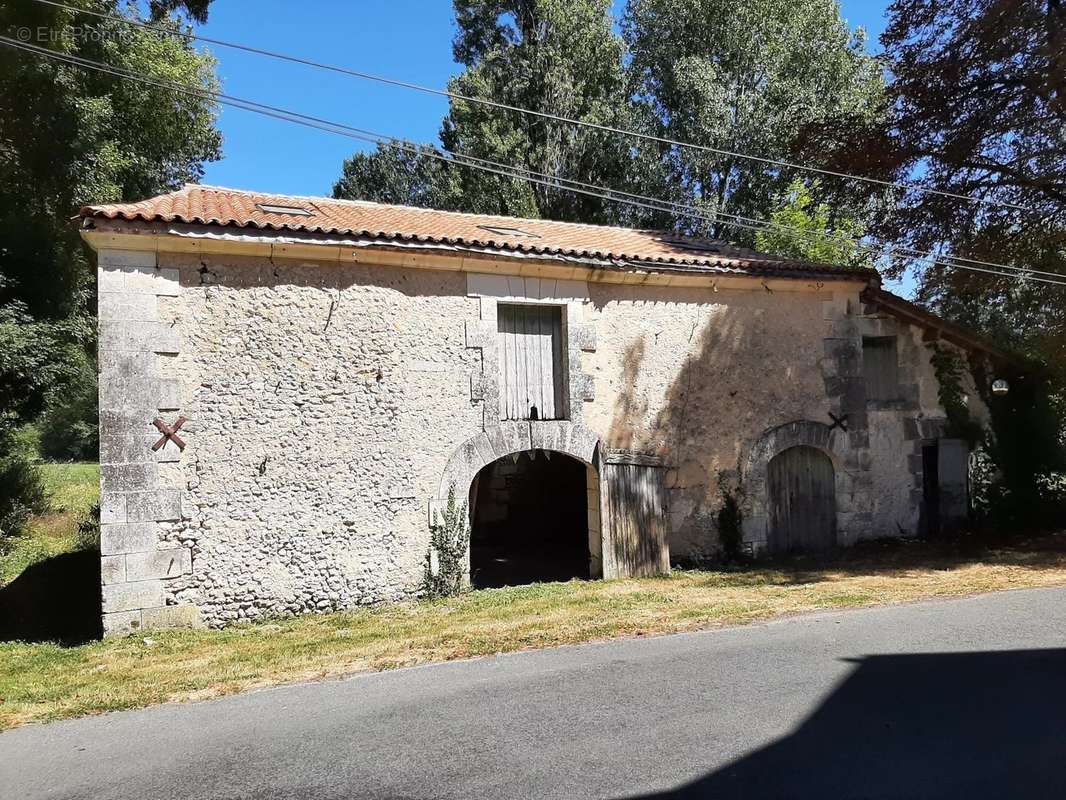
{"x": 963, "y": 698}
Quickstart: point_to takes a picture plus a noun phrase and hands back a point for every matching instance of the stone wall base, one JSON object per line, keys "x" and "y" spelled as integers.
{"x": 123, "y": 623}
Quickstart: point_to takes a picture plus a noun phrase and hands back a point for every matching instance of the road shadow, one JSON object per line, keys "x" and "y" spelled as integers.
{"x": 55, "y": 600}
{"x": 944, "y": 725}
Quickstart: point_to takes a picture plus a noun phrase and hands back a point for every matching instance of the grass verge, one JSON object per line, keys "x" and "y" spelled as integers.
{"x": 45, "y": 682}
{"x": 72, "y": 489}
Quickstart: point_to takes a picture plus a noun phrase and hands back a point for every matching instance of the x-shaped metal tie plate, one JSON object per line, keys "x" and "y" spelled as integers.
{"x": 170, "y": 433}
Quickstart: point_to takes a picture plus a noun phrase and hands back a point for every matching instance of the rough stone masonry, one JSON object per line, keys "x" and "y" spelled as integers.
{"x": 332, "y": 391}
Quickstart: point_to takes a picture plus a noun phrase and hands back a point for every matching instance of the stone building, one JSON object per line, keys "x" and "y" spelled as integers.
{"x": 290, "y": 386}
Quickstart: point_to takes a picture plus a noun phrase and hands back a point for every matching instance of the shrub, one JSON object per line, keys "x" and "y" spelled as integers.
{"x": 22, "y": 491}
{"x": 87, "y": 536}
{"x": 69, "y": 427}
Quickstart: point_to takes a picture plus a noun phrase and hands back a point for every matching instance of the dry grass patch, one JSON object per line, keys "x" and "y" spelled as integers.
{"x": 43, "y": 682}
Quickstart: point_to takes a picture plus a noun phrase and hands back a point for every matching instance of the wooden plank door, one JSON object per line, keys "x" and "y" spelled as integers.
{"x": 633, "y": 499}
{"x": 530, "y": 356}
{"x": 802, "y": 498}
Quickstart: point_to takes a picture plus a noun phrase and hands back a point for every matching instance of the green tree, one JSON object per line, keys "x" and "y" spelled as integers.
{"x": 400, "y": 175}
{"x": 21, "y": 490}
{"x": 745, "y": 76}
{"x": 74, "y": 136}
{"x": 977, "y": 106}
{"x": 71, "y": 137}
{"x": 556, "y": 56}
{"x": 808, "y": 230}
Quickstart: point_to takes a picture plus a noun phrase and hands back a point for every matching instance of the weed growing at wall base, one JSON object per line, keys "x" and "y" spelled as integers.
{"x": 449, "y": 541}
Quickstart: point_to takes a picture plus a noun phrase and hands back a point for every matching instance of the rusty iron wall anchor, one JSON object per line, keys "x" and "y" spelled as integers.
{"x": 170, "y": 433}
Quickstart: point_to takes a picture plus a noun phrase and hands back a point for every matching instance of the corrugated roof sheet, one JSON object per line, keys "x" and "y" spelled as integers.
{"x": 232, "y": 208}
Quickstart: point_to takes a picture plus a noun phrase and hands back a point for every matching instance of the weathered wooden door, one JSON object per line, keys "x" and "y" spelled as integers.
{"x": 530, "y": 355}
{"x": 802, "y": 498}
{"x": 633, "y": 503}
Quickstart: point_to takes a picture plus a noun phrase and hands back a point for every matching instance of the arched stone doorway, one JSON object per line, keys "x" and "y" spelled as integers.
{"x": 553, "y": 442}
{"x": 529, "y": 515}
{"x": 832, "y": 446}
{"x": 801, "y": 494}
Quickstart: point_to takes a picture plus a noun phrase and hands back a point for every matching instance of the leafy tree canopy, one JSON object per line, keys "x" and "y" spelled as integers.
{"x": 977, "y": 106}
{"x": 72, "y": 137}
{"x": 402, "y": 176}
{"x": 196, "y": 9}
{"x": 556, "y": 56}
{"x": 807, "y": 230}
{"x": 743, "y": 76}
{"x": 107, "y": 139}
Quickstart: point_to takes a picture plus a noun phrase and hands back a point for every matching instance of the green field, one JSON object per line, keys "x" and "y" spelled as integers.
{"x": 73, "y": 489}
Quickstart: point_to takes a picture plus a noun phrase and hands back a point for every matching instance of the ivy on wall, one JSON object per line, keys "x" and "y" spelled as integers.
{"x": 950, "y": 371}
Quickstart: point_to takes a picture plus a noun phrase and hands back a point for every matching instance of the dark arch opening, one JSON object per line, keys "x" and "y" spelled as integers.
{"x": 529, "y": 520}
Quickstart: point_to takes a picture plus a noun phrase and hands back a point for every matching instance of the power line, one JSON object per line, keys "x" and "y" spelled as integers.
{"x": 910, "y": 252}
{"x": 458, "y": 158}
{"x": 542, "y": 114}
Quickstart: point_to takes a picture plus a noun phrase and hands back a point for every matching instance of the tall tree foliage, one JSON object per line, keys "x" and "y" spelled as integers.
{"x": 745, "y": 76}
{"x": 807, "y": 230}
{"x": 71, "y": 137}
{"x": 400, "y": 175}
{"x": 557, "y": 56}
{"x": 742, "y": 76}
{"x": 980, "y": 100}
{"x": 978, "y": 107}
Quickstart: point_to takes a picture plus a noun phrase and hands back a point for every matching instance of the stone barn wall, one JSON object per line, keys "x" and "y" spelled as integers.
{"x": 696, "y": 375}
{"x": 330, "y": 404}
{"x": 706, "y": 378}
{"x": 326, "y": 400}
{"x": 323, "y": 402}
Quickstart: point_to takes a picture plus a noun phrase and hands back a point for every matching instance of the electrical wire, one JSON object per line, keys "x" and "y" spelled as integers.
{"x": 462, "y": 159}
{"x": 918, "y": 255}
{"x": 909, "y": 187}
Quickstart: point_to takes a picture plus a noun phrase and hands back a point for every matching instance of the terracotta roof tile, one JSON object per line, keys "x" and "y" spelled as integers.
{"x": 215, "y": 206}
